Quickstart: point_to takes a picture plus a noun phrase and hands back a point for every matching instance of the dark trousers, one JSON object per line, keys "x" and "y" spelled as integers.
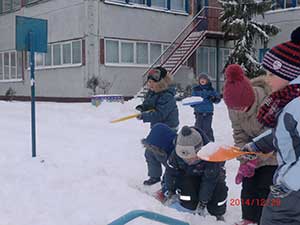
{"x": 154, "y": 162}
{"x": 255, "y": 191}
{"x": 203, "y": 122}
{"x": 281, "y": 211}
{"x": 189, "y": 186}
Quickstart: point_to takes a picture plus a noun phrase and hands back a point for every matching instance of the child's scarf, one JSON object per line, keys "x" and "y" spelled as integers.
{"x": 269, "y": 111}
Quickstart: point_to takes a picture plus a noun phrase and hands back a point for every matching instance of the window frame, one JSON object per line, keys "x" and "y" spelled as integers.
{"x": 16, "y": 67}
{"x": 135, "y": 64}
{"x": 62, "y": 64}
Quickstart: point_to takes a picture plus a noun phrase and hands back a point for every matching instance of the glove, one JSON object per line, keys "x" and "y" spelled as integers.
{"x": 249, "y": 147}
{"x": 200, "y": 210}
{"x": 139, "y": 108}
{"x": 214, "y": 99}
{"x": 246, "y": 170}
{"x": 140, "y": 116}
{"x": 170, "y": 198}
{"x": 279, "y": 191}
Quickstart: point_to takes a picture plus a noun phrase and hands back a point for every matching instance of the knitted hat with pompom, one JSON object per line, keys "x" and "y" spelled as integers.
{"x": 238, "y": 93}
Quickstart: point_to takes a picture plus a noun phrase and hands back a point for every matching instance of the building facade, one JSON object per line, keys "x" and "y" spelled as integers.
{"x": 113, "y": 40}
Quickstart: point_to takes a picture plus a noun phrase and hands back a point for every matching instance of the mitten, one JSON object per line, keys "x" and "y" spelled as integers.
{"x": 246, "y": 170}
{"x": 249, "y": 147}
{"x": 139, "y": 108}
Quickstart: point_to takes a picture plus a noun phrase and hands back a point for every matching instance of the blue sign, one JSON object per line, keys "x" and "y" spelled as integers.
{"x": 37, "y": 28}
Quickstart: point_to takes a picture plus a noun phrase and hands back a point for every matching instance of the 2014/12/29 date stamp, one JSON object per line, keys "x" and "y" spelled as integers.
{"x": 254, "y": 202}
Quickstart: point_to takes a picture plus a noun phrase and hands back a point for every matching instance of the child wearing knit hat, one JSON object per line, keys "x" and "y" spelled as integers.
{"x": 204, "y": 110}
{"x": 280, "y": 113}
{"x": 243, "y": 98}
{"x": 200, "y": 185}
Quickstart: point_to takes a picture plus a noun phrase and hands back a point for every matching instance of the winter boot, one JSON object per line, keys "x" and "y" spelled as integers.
{"x": 151, "y": 181}
{"x": 220, "y": 218}
{"x": 245, "y": 222}
{"x": 160, "y": 196}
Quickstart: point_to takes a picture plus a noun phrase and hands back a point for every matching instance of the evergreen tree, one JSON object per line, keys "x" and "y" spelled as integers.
{"x": 238, "y": 20}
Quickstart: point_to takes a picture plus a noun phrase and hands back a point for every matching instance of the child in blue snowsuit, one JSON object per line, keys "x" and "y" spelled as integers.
{"x": 160, "y": 98}
{"x": 159, "y": 143}
{"x": 204, "y": 110}
{"x": 198, "y": 184}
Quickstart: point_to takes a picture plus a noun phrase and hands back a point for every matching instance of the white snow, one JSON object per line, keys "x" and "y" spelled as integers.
{"x": 87, "y": 170}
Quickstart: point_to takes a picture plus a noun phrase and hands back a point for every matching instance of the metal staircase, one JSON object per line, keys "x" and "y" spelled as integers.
{"x": 185, "y": 44}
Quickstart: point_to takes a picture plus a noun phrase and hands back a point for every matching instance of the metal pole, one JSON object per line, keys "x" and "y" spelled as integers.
{"x": 32, "y": 82}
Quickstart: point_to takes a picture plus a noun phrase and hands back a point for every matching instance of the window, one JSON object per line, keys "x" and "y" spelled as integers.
{"x": 6, "y": 5}
{"x": 282, "y": 4}
{"x": 19, "y": 65}
{"x": 155, "y": 52}
{"x": 9, "y": 5}
{"x": 67, "y": 53}
{"x": 57, "y": 54}
{"x": 6, "y": 66}
{"x": 48, "y": 56}
{"x": 60, "y": 54}
{"x": 13, "y": 65}
{"x": 76, "y": 52}
{"x": 142, "y": 53}
{"x": 159, "y": 3}
{"x": 39, "y": 59}
{"x": 224, "y": 53}
{"x": 178, "y": 5}
{"x": 127, "y": 52}
{"x": 212, "y": 63}
{"x": 206, "y": 61}
{"x": 138, "y": 1}
{"x": 10, "y": 65}
{"x": 112, "y": 51}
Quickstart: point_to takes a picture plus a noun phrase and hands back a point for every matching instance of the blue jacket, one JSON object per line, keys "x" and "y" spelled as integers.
{"x": 162, "y": 138}
{"x": 210, "y": 173}
{"x": 285, "y": 138}
{"x": 164, "y": 104}
{"x": 209, "y": 95}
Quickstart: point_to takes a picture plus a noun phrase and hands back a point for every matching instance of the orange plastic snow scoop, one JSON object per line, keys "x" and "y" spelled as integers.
{"x": 129, "y": 117}
{"x": 223, "y": 154}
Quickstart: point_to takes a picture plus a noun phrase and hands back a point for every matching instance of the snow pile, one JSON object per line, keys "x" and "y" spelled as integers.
{"x": 87, "y": 170}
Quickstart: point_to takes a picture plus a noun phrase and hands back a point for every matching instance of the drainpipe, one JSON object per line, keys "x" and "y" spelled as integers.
{"x": 217, "y": 65}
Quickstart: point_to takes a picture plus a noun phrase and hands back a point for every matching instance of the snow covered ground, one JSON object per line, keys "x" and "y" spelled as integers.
{"x": 87, "y": 170}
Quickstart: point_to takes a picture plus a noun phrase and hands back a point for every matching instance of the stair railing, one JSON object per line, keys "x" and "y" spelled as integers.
{"x": 195, "y": 24}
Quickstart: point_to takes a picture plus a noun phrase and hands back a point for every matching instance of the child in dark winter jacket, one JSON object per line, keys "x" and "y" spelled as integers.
{"x": 159, "y": 143}
{"x": 161, "y": 99}
{"x": 204, "y": 110}
{"x": 199, "y": 185}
